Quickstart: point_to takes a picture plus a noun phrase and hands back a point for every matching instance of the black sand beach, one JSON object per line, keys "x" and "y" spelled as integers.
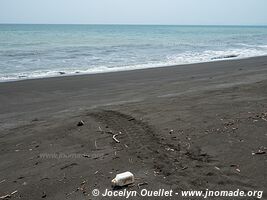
{"x": 184, "y": 127}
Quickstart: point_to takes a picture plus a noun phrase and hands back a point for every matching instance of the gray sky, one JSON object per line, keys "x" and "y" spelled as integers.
{"x": 184, "y": 12}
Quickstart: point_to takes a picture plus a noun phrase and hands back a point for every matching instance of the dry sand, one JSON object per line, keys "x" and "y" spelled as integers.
{"x": 181, "y": 127}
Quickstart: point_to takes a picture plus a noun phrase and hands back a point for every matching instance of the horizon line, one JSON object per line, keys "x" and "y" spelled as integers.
{"x": 132, "y": 24}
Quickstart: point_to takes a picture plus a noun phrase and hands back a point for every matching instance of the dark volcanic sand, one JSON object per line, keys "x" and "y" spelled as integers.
{"x": 182, "y": 127}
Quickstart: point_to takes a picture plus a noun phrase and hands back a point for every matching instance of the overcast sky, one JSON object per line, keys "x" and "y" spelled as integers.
{"x": 183, "y": 12}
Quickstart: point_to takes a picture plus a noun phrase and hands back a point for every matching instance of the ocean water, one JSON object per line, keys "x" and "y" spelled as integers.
{"x": 36, "y": 51}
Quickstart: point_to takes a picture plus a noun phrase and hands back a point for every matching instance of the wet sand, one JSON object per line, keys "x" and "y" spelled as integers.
{"x": 181, "y": 127}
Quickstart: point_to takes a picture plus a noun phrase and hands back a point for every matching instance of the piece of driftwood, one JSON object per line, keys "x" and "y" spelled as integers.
{"x": 80, "y": 123}
{"x": 115, "y": 139}
{"x": 95, "y": 144}
{"x": 9, "y": 195}
{"x": 259, "y": 152}
{"x": 5, "y": 196}
{"x": 141, "y": 184}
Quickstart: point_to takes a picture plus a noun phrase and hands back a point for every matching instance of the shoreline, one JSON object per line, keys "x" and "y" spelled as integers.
{"x": 74, "y": 74}
{"x": 187, "y": 127}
